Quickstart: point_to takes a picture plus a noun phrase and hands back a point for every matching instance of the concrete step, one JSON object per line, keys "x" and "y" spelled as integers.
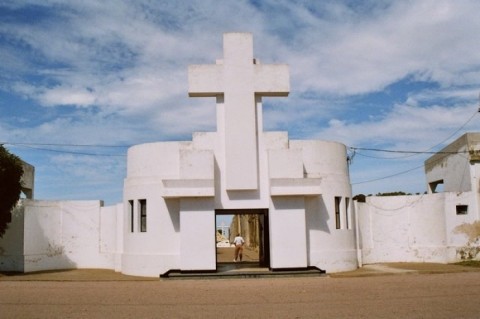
{"x": 243, "y": 270}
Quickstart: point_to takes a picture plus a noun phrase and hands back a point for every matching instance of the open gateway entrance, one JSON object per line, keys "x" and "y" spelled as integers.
{"x": 252, "y": 225}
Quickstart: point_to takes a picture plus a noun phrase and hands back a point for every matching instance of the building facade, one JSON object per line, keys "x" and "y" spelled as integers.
{"x": 298, "y": 190}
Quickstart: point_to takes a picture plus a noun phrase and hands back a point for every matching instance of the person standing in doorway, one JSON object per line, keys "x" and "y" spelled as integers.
{"x": 238, "y": 242}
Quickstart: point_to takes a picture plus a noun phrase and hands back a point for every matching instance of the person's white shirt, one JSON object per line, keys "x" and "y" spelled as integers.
{"x": 238, "y": 241}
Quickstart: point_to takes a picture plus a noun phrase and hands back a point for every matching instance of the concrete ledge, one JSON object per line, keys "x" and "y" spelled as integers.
{"x": 175, "y": 188}
{"x": 295, "y": 186}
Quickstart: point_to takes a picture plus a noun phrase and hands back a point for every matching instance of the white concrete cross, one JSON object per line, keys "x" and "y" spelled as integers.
{"x": 239, "y": 82}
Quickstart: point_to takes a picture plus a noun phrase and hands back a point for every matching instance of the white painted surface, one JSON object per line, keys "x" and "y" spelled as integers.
{"x": 285, "y": 163}
{"x": 67, "y": 234}
{"x": 456, "y": 165}
{"x": 419, "y": 228}
{"x": 240, "y": 83}
{"x": 288, "y": 244}
{"x": 11, "y": 244}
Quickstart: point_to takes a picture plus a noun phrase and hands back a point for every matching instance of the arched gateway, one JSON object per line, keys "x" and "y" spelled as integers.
{"x": 174, "y": 189}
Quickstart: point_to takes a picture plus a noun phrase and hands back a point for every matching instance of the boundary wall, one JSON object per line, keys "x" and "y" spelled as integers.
{"x": 418, "y": 228}
{"x": 47, "y": 235}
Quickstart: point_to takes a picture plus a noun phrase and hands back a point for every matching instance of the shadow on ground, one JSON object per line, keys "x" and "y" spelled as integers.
{"x": 367, "y": 270}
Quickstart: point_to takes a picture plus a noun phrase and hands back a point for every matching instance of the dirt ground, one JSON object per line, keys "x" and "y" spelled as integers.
{"x": 227, "y": 254}
{"x": 378, "y": 291}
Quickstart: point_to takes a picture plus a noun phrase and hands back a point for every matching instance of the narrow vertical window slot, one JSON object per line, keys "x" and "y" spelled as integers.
{"x": 143, "y": 215}
{"x": 347, "y": 213}
{"x": 338, "y": 200}
{"x": 131, "y": 213}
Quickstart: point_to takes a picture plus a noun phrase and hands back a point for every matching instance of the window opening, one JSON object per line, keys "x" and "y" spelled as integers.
{"x": 462, "y": 209}
{"x": 436, "y": 186}
{"x": 338, "y": 200}
{"x": 131, "y": 213}
{"x": 143, "y": 215}
{"x": 347, "y": 211}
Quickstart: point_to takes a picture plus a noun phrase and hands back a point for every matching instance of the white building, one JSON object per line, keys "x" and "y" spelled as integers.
{"x": 173, "y": 190}
{"x": 300, "y": 191}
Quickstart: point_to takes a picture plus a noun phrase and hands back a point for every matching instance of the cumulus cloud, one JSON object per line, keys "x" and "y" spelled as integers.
{"x": 405, "y": 127}
{"x": 116, "y": 71}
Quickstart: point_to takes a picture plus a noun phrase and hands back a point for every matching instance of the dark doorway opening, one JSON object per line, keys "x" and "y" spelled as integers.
{"x": 252, "y": 225}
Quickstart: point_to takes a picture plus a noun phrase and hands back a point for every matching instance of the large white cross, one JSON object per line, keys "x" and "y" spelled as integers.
{"x": 239, "y": 82}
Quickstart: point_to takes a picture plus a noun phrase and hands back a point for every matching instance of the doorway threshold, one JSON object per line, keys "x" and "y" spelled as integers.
{"x": 242, "y": 270}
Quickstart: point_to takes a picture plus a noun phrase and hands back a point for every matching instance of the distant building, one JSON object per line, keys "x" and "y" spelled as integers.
{"x": 456, "y": 168}
{"x": 28, "y": 180}
{"x": 441, "y": 226}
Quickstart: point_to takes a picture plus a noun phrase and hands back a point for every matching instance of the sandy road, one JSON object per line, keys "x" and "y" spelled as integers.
{"x": 448, "y": 295}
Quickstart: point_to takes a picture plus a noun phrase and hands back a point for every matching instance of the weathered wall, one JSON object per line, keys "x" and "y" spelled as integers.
{"x": 11, "y": 244}
{"x": 28, "y": 180}
{"x": 458, "y": 172}
{"x": 111, "y": 233}
{"x": 420, "y": 228}
{"x": 68, "y": 234}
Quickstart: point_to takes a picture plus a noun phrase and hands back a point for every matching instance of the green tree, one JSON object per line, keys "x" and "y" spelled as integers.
{"x": 11, "y": 171}
{"x": 399, "y": 193}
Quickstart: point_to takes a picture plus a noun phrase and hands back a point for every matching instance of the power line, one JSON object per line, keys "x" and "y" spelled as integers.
{"x": 389, "y": 176}
{"x": 458, "y": 130}
{"x": 402, "y": 151}
{"x": 413, "y": 153}
{"x": 62, "y": 144}
{"x": 66, "y": 151}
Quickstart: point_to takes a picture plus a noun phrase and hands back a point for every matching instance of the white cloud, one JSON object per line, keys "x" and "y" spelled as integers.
{"x": 122, "y": 65}
{"x": 61, "y": 95}
{"x": 404, "y": 128}
{"x": 435, "y": 40}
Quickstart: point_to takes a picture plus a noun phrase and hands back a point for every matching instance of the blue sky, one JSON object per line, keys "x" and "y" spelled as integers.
{"x": 396, "y": 75}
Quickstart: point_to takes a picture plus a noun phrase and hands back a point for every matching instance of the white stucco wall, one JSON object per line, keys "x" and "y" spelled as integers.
{"x": 11, "y": 244}
{"x": 197, "y": 247}
{"x": 161, "y": 173}
{"x": 288, "y": 241}
{"x": 420, "y": 228}
{"x": 456, "y": 165}
{"x": 67, "y": 234}
{"x": 157, "y": 250}
{"x": 329, "y": 248}
{"x": 309, "y": 172}
{"x": 454, "y": 171}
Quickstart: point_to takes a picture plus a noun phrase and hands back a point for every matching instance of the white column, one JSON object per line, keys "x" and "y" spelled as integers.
{"x": 288, "y": 239}
{"x": 197, "y": 228}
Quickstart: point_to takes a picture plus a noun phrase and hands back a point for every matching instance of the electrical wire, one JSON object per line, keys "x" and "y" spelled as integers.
{"x": 26, "y": 145}
{"x": 389, "y": 176}
{"x": 403, "y": 152}
{"x": 61, "y": 144}
{"x": 412, "y": 153}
